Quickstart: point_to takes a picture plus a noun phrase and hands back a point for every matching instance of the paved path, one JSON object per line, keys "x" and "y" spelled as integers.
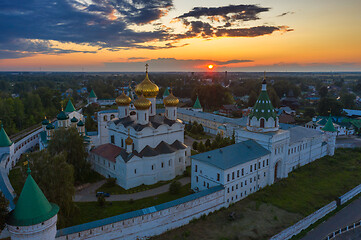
{"x": 344, "y": 217}
{"x": 88, "y": 194}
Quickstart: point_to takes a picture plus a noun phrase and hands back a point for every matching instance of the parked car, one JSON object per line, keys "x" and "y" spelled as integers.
{"x": 104, "y": 194}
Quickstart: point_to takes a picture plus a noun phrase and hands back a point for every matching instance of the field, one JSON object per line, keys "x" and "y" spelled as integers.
{"x": 272, "y": 209}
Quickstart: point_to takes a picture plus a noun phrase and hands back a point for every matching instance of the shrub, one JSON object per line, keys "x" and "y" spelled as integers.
{"x": 175, "y": 187}
{"x": 111, "y": 182}
{"x": 101, "y": 200}
{"x": 195, "y": 145}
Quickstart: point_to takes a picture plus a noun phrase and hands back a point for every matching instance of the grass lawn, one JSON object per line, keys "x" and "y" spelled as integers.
{"x": 116, "y": 189}
{"x": 276, "y": 207}
{"x": 198, "y": 136}
{"x": 91, "y": 211}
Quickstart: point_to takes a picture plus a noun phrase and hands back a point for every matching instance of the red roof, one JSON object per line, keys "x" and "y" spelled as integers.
{"x": 107, "y": 151}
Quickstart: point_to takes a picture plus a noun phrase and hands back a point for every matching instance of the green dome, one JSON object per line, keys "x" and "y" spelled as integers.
{"x": 32, "y": 206}
{"x": 263, "y": 106}
{"x": 45, "y": 122}
{"x": 80, "y": 123}
{"x": 62, "y": 116}
{"x": 74, "y": 120}
{"x": 50, "y": 126}
{"x": 4, "y": 138}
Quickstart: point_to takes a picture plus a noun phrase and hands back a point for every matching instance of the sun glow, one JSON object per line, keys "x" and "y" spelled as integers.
{"x": 210, "y": 66}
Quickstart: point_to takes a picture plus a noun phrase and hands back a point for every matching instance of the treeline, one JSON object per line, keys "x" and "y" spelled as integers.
{"x": 29, "y": 108}
{"x": 209, "y": 145}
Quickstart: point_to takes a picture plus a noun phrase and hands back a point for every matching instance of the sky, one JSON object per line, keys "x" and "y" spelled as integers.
{"x": 180, "y": 35}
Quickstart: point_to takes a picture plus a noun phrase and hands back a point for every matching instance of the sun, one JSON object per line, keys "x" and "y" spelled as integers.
{"x": 210, "y": 66}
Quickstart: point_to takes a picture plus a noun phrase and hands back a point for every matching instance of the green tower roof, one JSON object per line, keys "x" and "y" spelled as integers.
{"x": 62, "y": 116}
{"x": 197, "y": 104}
{"x": 74, "y": 120}
{"x": 166, "y": 92}
{"x": 263, "y": 106}
{"x": 70, "y": 107}
{"x": 4, "y": 138}
{"x": 32, "y": 206}
{"x": 45, "y": 121}
{"x": 92, "y": 94}
{"x": 80, "y": 123}
{"x": 329, "y": 126}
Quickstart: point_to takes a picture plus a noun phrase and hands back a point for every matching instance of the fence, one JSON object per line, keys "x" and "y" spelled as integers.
{"x": 343, "y": 230}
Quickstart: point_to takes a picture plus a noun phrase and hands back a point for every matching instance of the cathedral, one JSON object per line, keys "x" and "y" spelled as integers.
{"x": 141, "y": 147}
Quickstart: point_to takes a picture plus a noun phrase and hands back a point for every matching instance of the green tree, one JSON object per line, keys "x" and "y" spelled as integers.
{"x": 175, "y": 187}
{"x": 252, "y": 98}
{"x": 327, "y": 104}
{"x": 195, "y": 145}
{"x": 70, "y": 142}
{"x": 310, "y": 112}
{"x": 90, "y": 124}
{"x": 208, "y": 143}
{"x": 200, "y": 129}
{"x": 55, "y": 178}
{"x": 348, "y": 100}
{"x": 201, "y": 147}
{"x": 4, "y": 204}
{"x": 323, "y": 91}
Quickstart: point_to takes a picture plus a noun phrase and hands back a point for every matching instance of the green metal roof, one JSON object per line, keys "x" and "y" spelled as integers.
{"x": 45, "y": 122}
{"x": 4, "y": 138}
{"x": 74, "y": 119}
{"x": 50, "y": 126}
{"x": 166, "y": 92}
{"x": 263, "y": 107}
{"x": 197, "y": 104}
{"x": 62, "y": 116}
{"x": 329, "y": 126}
{"x": 80, "y": 123}
{"x": 70, "y": 107}
{"x": 92, "y": 94}
{"x": 32, "y": 206}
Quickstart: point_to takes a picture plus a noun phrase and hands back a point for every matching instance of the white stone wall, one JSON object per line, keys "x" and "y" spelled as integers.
{"x": 152, "y": 222}
{"x": 41, "y": 231}
{"x": 103, "y": 118}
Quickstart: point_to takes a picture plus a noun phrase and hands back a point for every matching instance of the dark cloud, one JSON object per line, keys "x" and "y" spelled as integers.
{"x": 285, "y": 13}
{"x": 231, "y": 12}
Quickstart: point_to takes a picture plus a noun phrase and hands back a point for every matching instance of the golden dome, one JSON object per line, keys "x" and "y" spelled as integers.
{"x": 170, "y": 101}
{"x": 129, "y": 141}
{"x": 147, "y": 88}
{"x": 142, "y": 103}
{"x": 123, "y": 100}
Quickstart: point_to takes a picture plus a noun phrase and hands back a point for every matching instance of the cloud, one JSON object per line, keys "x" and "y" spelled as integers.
{"x": 285, "y": 13}
{"x": 170, "y": 64}
{"x": 227, "y": 13}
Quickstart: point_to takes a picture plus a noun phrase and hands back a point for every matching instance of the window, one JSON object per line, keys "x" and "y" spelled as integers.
{"x": 227, "y": 177}
{"x": 232, "y": 175}
{"x": 241, "y": 184}
{"x": 112, "y": 116}
{"x": 254, "y": 178}
{"x": 204, "y": 184}
{"x": 180, "y": 159}
{"x": 196, "y": 168}
{"x": 122, "y": 142}
{"x": 250, "y": 168}
{"x": 267, "y": 161}
{"x": 250, "y": 180}
{"x": 152, "y": 167}
{"x": 263, "y": 164}
{"x": 262, "y": 123}
{"x": 255, "y": 166}
{"x": 264, "y": 174}
{"x": 236, "y": 186}
{"x": 245, "y": 183}
{"x": 112, "y": 139}
{"x": 162, "y": 165}
{"x": 218, "y": 177}
{"x": 237, "y": 173}
{"x": 227, "y": 190}
{"x": 135, "y": 171}
{"x": 196, "y": 178}
{"x": 207, "y": 185}
{"x": 242, "y": 171}
{"x": 259, "y": 165}
{"x": 105, "y": 118}
{"x": 168, "y": 162}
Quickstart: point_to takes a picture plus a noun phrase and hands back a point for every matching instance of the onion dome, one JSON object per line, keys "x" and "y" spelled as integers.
{"x": 80, "y": 123}
{"x": 123, "y": 100}
{"x": 62, "y": 116}
{"x": 74, "y": 120}
{"x": 45, "y": 121}
{"x": 142, "y": 103}
{"x": 50, "y": 126}
{"x": 147, "y": 87}
{"x": 171, "y": 101}
{"x": 129, "y": 141}
{"x": 32, "y": 206}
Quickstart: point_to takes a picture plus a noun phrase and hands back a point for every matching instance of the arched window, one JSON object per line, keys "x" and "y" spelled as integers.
{"x": 105, "y": 118}
{"x": 112, "y": 116}
{"x": 249, "y": 122}
{"x": 261, "y": 123}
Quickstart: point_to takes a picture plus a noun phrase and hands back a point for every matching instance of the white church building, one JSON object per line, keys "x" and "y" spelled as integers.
{"x": 263, "y": 153}
{"x": 145, "y": 147}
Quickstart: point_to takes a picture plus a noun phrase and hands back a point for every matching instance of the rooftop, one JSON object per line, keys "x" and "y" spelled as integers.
{"x": 299, "y": 133}
{"x": 233, "y": 155}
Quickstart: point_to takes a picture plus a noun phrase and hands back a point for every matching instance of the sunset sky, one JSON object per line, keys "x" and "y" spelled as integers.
{"x": 180, "y": 35}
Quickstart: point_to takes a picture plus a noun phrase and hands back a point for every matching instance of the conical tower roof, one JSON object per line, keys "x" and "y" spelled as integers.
{"x": 32, "y": 207}
{"x": 70, "y": 107}
{"x": 92, "y": 94}
{"x": 4, "y": 138}
{"x": 197, "y": 104}
{"x": 329, "y": 127}
{"x": 263, "y": 106}
{"x": 166, "y": 92}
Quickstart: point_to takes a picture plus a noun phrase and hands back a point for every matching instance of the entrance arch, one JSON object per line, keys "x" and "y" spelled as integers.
{"x": 277, "y": 172}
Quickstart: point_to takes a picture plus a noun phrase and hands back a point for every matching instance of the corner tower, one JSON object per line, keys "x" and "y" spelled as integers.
{"x": 33, "y": 217}
{"x": 263, "y": 117}
{"x": 331, "y": 134}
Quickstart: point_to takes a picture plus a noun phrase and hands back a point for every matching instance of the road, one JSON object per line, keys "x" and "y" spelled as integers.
{"x": 88, "y": 193}
{"x": 348, "y": 142}
{"x": 346, "y": 216}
